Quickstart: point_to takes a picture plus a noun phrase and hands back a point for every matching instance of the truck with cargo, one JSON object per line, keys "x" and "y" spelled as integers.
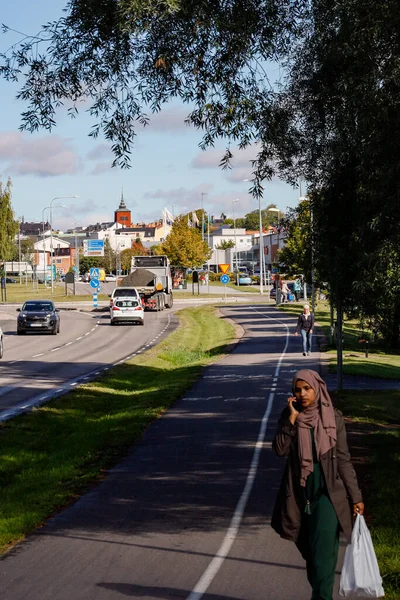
{"x": 151, "y": 276}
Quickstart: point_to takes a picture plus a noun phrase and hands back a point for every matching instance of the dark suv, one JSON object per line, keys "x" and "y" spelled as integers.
{"x": 38, "y": 315}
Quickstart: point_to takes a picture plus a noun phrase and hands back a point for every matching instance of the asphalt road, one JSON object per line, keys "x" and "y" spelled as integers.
{"x": 35, "y": 366}
{"x": 186, "y": 514}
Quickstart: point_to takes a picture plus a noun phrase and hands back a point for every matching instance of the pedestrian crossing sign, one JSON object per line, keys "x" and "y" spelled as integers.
{"x": 224, "y": 268}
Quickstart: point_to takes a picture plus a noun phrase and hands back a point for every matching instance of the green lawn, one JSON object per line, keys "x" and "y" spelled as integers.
{"x": 374, "y": 437}
{"x": 51, "y": 455}
{"x": 18, "y": 293}
{"x": 379, "y": 363}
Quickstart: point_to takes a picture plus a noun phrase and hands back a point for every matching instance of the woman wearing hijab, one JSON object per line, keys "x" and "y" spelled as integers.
{"x": 319, "y": 493}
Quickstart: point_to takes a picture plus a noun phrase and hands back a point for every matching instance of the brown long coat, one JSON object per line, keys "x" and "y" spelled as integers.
{"x": 340, "y": 478}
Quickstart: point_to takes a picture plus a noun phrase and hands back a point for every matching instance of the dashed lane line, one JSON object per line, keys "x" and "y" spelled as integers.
{"x": 36, "y": 401}
{"x": 216, "y": 563}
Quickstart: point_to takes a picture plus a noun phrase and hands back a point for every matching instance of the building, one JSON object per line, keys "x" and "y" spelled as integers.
{"x": 123, "y": 215}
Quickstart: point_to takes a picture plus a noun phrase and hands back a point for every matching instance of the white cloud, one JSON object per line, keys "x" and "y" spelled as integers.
{"x": 100, "y": 151}
{"x": 181, "y": 197}
{"x": 167, "y": 120}
{"x": 44, "y": 157}
{"x": 210, "y": 159}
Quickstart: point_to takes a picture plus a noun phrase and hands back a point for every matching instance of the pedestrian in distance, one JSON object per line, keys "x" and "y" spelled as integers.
{"x": 285, "y": 292}
{"x": 305, "y": 327}
{"x": 297, "y": 288}
{"x": 319, "y": 494}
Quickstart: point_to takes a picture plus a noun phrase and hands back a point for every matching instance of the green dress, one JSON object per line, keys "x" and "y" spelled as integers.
{"x": 318, "y": 539}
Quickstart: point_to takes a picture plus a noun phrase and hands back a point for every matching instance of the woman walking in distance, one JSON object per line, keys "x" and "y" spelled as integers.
{"x": 305, "y": 326}
{"x": 319, "y": 493}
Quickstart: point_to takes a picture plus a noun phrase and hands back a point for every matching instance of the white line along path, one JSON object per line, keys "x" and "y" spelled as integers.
{"x": 208, "y": 576}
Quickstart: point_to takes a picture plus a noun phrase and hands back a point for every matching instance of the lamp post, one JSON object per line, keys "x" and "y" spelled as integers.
{"x": 234, "y": 233}
{"x": 51, "y": 236}
{"x": 261, "y": 245}
{"x": 44, "y": 249}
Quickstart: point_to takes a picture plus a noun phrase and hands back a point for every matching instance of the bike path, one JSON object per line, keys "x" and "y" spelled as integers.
{"x": 186, "y": 514}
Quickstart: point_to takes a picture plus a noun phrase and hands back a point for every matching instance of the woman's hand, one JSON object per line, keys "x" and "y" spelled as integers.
{"x": 358, "y": 509}
{"x": 293, "y": 412}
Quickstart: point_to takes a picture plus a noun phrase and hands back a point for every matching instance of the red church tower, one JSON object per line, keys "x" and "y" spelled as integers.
{"x": 122, "y": 215}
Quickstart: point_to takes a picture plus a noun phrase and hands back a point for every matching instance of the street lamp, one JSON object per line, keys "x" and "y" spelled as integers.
{"x": 261, "y": 245}
{"x": 44, "y": 250}
{"x": 234, "y": 229}
{"x": 51, "y": 236}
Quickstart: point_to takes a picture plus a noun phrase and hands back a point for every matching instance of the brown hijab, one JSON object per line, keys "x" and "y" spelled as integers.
{"x": 318, "y": 416}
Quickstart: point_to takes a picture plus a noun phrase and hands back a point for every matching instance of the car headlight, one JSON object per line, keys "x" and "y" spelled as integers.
{"x": 23, "y": 315}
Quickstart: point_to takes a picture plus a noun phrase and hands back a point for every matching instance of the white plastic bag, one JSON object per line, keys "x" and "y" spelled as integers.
{"x": 360, "y": 574}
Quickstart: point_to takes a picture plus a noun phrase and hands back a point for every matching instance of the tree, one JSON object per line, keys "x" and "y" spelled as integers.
{"x": 87, "y": 262}
{"x": 8, "y": 225}
{"x": 130, "y": 57}
{"x": 184, "y": 246}
{"x": 109, "y": 257}
{"x": 27, "y": 249}
{"x": 137, "y": 250}
{"x": 295, "y": 257}
{"x": 225, "y": 245}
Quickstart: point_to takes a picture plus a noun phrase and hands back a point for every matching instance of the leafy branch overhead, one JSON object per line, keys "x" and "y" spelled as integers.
{"x": 125, "y": 60}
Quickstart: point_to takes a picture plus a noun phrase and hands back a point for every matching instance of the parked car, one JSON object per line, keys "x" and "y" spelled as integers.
{"x": 38, "y": 315}
{"x": 110, "y": 277}
{"x": 1, "y": 344}
{"x": 245, "y": 279}
{"x": 127, "y": 309}
{"x": 11, "y": 280}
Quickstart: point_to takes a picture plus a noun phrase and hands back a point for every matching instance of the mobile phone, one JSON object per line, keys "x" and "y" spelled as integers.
{"x": 296, "y": 406}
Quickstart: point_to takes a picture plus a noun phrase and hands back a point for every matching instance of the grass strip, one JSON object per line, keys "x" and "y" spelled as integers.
{"x": 379, "y": 364}
{"x": 19, "y": 293}
{"x": 374, "y": 437}
{"x": 50, "y": 456}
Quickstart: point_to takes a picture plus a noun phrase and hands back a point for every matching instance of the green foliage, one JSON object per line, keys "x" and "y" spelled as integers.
{"x": 184, "y": 245}
{"x": 27, "y": 249}
{"x": 225, "y": 245}
{"x": 8, "y": 225}
{"x": 127, "y": 59}
{"x": 87, "y": 262}
{"x": 268, "y": 218}
{"x": 137, "y": 250}
{"x": 295, "y": 257}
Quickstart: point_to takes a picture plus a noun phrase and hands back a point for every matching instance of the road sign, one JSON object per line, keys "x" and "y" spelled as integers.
{"x": 94, "y": 273}
{"x": 94, "y": 300}
{"x": 95, "y": 283}
{"x": 224, "y": 279}
{"x": 224, "y": 268}
{"x": 93, "y": 247}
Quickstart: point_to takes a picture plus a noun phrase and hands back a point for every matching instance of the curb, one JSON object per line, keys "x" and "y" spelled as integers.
{"x": 239, "y": 332}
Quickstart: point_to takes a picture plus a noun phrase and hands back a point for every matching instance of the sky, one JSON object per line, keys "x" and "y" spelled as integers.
{"x": 168, "y": 168}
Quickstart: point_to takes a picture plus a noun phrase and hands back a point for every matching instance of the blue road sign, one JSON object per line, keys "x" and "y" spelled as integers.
{"x": 94, "y": 273}
{"x": 95, "y": 283}
{"x": 224, "y": 279}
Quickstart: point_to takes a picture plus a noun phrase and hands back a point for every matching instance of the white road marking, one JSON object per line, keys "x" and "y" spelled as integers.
{"x": 216, "y": 563}
{"x": 79, "y": 338}
{"x": 55, "y": 349}
{"x": 36, "y": 355}
{"x": 69, "y": 343}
